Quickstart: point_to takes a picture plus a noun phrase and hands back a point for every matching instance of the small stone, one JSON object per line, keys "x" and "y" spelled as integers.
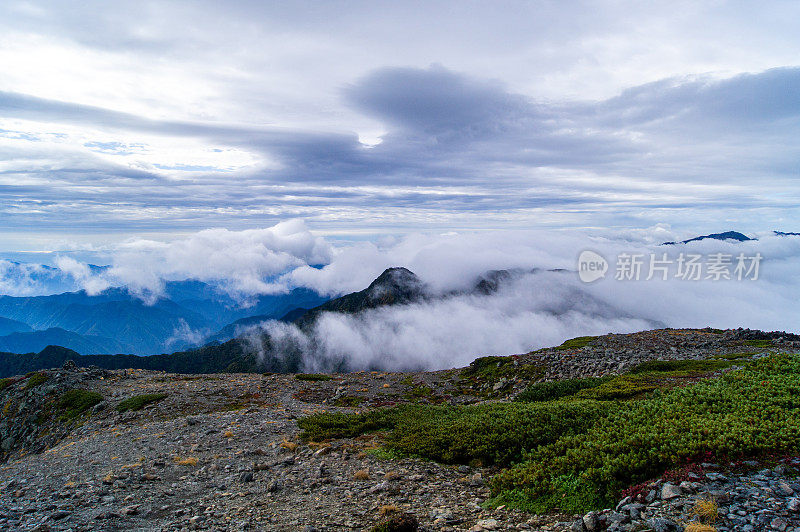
{"x": 591, "y": 521}
{"x": 793, "y": 504}
{"x": 784, "y": 489}
{"x": 623, "y": 502}
{"x": 670, "y": 491}
{"x": 379, "y": 487}
{"x": 476, "y": 480}
{"x": 779, "y": 523}
{"x": 659, "y": 524}
{"x": 59, "y": 514}
{"x": 246, "y": 476}
{"x": 488, "y": 524}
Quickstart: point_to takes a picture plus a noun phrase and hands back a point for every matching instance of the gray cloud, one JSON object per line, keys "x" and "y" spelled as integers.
{"x": 521, "y": 120}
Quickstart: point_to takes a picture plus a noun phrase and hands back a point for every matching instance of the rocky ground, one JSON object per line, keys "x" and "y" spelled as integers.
{"x": 222, "y": 452}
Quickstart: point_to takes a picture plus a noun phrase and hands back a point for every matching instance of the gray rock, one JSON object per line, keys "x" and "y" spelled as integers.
{"x": 784, "y": 489}
{"x": 779, "y": 523}
{"x": 591, "y": 521}
{"x": 659, "y": 524}
{"x": 670, "y": 491}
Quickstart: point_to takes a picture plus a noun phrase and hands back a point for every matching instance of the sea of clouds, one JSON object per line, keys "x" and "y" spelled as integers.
{"x": 531, "y": 310}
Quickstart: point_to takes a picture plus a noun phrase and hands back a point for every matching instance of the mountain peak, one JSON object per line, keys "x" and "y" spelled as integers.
{"x": 395, "y": 285}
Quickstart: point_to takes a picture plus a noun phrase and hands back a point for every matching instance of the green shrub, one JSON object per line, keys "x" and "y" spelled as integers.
{"x": 332, "y": 425}
{"x": 743, "y": 413}
{"x": 576, "y": 343}
{"x": 312, "y": 377}
{"x": 489, "y": 370}
{"x": 5, "y": 383}
{"x": 623, "y": 387}
{"x": 490, "y": 433}
{"x": 75, "y": 402}
{"x": 419, "y": 392}
{"x": 578, "y": 454}
{"x": 351, "y": 401}
{"x": 548, "y": 391}
{"x": 759, "y": 343}
{"x": 736, "y": 356}
{"x": 137, "y": 402}
{"x": 402, "y": 522}
{"x": 677, "y": 367}
{"x": 37, "y": 378}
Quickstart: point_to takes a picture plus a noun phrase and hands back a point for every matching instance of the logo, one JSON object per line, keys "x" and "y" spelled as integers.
{"x": 591, "y": 266}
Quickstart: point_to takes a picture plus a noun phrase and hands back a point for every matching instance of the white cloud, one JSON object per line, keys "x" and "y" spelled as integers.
{"x": 242, "y": 262}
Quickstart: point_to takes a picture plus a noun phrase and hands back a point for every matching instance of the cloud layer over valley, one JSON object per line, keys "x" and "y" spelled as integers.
{"x": 542, "y": 303}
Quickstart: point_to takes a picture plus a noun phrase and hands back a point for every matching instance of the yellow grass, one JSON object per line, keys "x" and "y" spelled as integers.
{"x": 699, "y": 527}
{"x": 706, "y": 510}
{"x": 189, "y": 460}
{"x": 388, "y": 509}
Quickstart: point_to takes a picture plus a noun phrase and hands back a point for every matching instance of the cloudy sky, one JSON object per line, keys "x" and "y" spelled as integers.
{"x": 161, "y": 119}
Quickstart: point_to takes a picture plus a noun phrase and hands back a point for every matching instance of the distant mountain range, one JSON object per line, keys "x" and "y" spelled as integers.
{"x": 243, "y": 346}
{"x": 190, "y": 313}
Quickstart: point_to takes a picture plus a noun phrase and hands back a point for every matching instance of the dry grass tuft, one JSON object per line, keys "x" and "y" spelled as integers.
{"x": 361, "y": 474}
{"x": 388, "y": 509}
{"x": 391, "y": 475}
{"x": 189, "y": 460}
{"x": 228, "y": 434}
{"x": 706, "y": 510}
{"x": 699, "y": 527}
{"x": 288, "y": 445}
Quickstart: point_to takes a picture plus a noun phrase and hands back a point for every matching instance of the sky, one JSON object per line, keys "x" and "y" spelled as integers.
{"x": 158, "y": 120}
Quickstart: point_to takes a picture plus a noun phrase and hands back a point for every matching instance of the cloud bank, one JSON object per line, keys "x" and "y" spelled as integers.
{"x": 543, "y": 303}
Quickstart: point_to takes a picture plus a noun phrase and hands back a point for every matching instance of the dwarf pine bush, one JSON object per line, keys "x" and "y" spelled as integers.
{"x": 743, "y": 413}
{"x": 577, "y": 452}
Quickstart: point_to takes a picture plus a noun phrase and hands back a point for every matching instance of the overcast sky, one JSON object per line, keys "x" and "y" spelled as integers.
{"x": 370, "y": 118}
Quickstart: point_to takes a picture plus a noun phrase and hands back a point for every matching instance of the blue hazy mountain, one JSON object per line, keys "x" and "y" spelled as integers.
{"x": 29, "y": 342}
{"x": 116, "y": 321}
{"x": 8, "y": 326}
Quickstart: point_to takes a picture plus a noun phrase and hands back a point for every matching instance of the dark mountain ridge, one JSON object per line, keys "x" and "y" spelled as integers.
{"x": 727, "y": 235}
